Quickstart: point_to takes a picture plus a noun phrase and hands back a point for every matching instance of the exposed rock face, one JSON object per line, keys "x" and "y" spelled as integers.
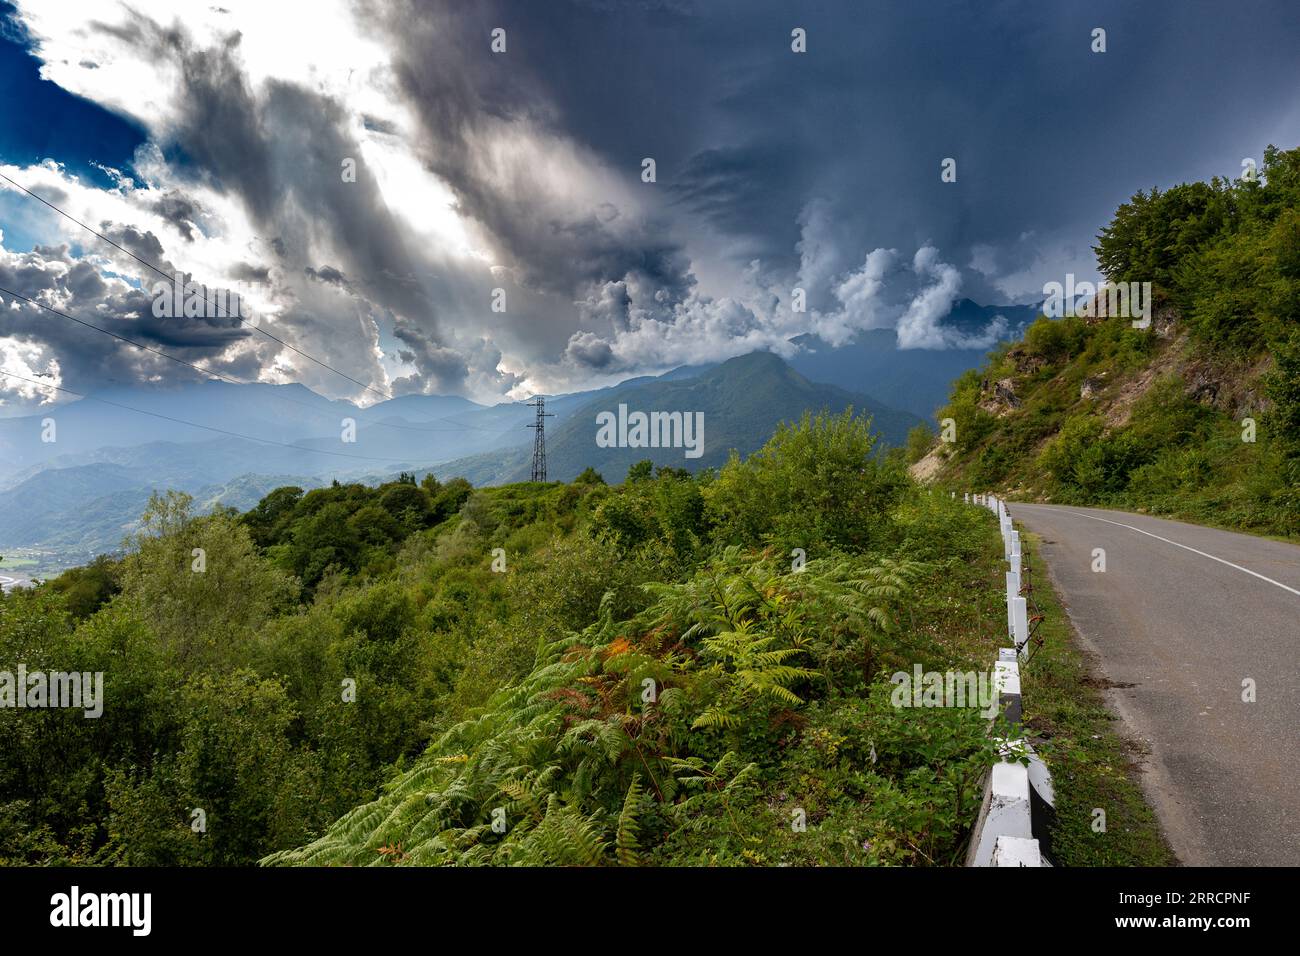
{"x": 1001, "y": 398}
{"x": 1231, "y": 387}
{"x": 1164, "y": 321}
{"x": 929, "y": 466}
{"x": 1026, "y": 364}
{"x": 1202, "y": 386}
{"x": 1109, "y": 387}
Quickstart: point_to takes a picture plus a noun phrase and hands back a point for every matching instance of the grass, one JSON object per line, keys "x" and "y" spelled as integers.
{"x": 1093, "y": 765}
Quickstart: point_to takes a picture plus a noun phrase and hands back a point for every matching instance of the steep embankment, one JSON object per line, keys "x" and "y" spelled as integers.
{"x": 1197, "y": 414}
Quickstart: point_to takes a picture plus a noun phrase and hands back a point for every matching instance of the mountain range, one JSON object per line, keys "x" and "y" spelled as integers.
{"x": 742, "y": 401}
{"x": 82, "y": 493}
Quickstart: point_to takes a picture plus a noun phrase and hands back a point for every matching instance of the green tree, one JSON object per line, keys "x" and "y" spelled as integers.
{"x": 267, "y": 521}
{"x": 199, "y": 582}
{"x": 813, "y": 485}
{"x": 400, "y": 498}
{"x": 451, "y": 496}
{"x": 322, "y": 542}
{"x": 235, "y": 764}
{"x": 919, "y": 441}
{"x": 86, "y": 589}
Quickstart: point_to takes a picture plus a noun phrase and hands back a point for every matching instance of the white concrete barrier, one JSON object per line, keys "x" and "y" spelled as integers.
{"x": 1013, "y": 592}
{"x": 1004, "y": 812}
{"x": 1020, "y": 624}
{"x": 1006, "y": 680}
{"x": 1018, "y": 807}
{"x": 1017, "y": 851}
{"x": 1013, "y": 827}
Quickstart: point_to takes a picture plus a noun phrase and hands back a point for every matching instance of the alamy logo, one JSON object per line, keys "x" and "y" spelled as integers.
{"x": 651, "y": 430}
{"x": 191, "y": 300}
{"x": 947, "y": 689}
{"x": 1125, "y": 300}
{"x": 103, "y": 909}
{"x": 38, "y": 689}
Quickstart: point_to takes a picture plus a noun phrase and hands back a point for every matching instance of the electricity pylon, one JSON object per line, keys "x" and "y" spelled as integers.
{"x": 539, "y": 439}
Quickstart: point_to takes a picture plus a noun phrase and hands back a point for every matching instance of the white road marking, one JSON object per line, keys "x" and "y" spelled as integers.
{"x": 1185, "y": 547}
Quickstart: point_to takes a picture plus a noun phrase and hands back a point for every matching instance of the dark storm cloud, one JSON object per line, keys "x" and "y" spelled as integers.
{"x": 143, "y": 244}
{"x": 327, "y": 274}
{"x": 179, "y": 210}
{"x": 379, "y": 125}
{"x": 206, "y": 334}
{"x": 773, "y": 168}
{"x": 280, "y": 150}
{"x": 247, "y": 272}
{"x": 443, "y": 365}
{"x": 75, "y": 287}
{"x": 720, "y": 186}
{"x": 1048, "y": 136}
{"x": 589, "y": 351}
{"x": 468, "y": 102}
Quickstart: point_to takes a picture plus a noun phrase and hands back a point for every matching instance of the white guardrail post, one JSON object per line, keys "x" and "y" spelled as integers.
{"x": 1013, "y": 592}
{"x": 1014, "y": 820}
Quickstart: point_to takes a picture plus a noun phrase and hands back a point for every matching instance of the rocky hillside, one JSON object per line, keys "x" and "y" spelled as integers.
{"x": 1196, "y": 415}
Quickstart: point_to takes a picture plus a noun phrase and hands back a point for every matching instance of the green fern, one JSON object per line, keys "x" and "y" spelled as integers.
{"x": 626, "y": 846}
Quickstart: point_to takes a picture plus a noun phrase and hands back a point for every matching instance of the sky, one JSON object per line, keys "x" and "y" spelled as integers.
{"x": 499, "y": 237}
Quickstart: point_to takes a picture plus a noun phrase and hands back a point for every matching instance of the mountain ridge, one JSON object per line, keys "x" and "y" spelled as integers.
{"x": 742, "y": 400}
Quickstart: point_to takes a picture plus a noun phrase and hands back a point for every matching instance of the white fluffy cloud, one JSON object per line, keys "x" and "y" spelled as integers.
{"x": 884, "y": 292}
{"x": 30, "y": 361}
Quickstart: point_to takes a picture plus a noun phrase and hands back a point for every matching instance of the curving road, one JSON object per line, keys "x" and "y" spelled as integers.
{"x": 1180, "y": 617}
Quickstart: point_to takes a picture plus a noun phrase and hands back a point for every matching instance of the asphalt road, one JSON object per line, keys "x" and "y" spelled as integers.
{"x": 1180, "y": 617}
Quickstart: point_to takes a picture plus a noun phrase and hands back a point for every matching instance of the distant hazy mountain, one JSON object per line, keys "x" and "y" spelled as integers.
{"x": 145, "y": 428}
{"x": 743, "y": 400}
{"x": 914, "y": 380}
{"x": 85, "y": 492}
{"x": 293, "y": 414}
{"x": 90, "y": 509}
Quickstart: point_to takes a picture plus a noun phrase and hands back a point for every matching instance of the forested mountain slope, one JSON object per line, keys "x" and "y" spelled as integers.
{"x": 1196, "y": 416}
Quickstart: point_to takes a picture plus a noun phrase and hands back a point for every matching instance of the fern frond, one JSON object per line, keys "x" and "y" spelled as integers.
{"x": 628, "y": 828}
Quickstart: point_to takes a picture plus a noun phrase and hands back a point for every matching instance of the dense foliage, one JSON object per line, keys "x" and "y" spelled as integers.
{"x": 637, "y": 673}
{"x": 1196, "y": 416}
{"x": 1227, "y": 253}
